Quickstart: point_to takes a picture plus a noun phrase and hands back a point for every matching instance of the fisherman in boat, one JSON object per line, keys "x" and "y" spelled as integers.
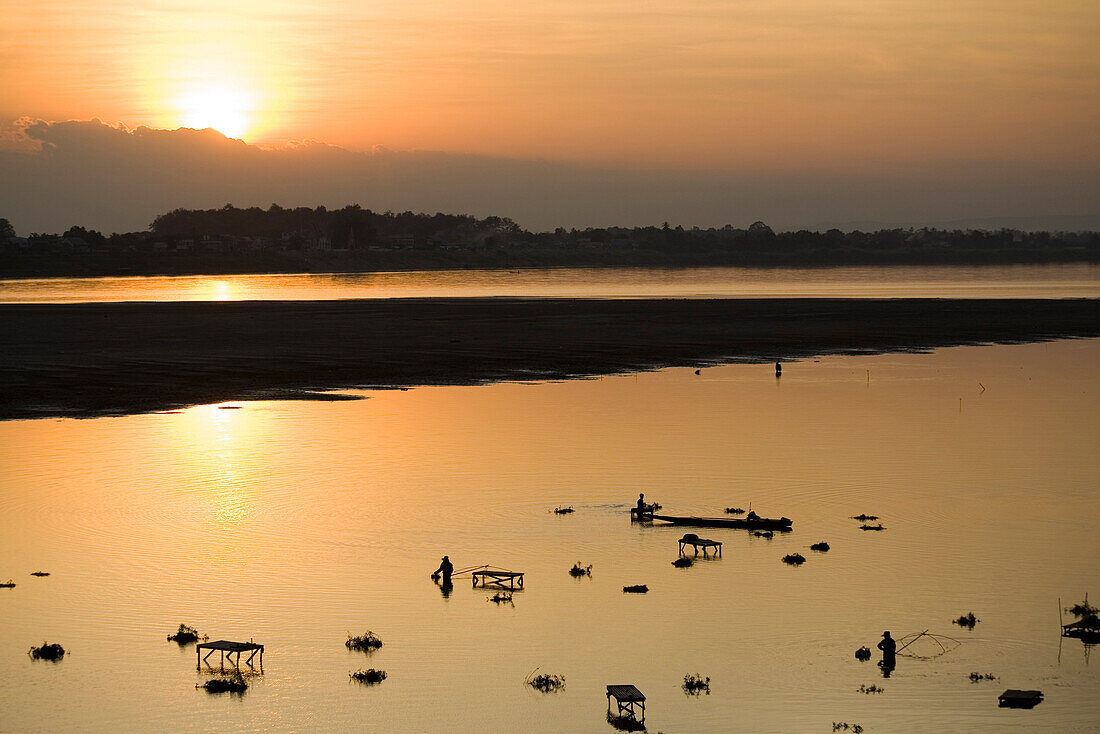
{"x": 889, "y": 649}
{"x": 752, "y": 516}
{"x": 642, "y": 506}
{"x": 444, "y": 571}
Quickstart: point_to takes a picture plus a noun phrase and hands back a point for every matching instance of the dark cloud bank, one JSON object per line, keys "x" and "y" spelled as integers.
{"x": 115, "y": 179}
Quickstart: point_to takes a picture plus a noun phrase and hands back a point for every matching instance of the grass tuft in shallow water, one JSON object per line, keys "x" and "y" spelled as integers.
{"x": 369, "y": 677}
{"x": 547, "y": 682}
{"x": 365, "y": 642}
{"x": 683, "y": 562}
{"x": 794, "y": 559}
{"x": 821, "y": 547}
{"x": 977, "y": 677}
{"x": 694, "y": 684}
{"x": 967, "y": 620}
{"x": 186, "y": 635}
{"x": 232, "y": 684}
{"x": 48, "y": 651}
{"x": 636, "y": 589}
{"x": 578, "y": 570}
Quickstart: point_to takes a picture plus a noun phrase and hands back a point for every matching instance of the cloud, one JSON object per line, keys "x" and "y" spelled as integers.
{"x": 113, "y": 178}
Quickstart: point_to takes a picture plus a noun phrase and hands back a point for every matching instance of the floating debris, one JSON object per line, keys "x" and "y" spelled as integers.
{"x": 976, "y": 677}
{"x": 845, "y": 726}
{"x": 9, "y": 585}
{"x": 822, "y": 547}
{"x": 368, "y": 677}
{"x": 232, "y": 684}
{"x": 563, "y": 510}
{"x": 186, "y": 635}
{"x": 365, "y": 642}
{"x": 735, "y": 511}
{"x": 502, "y": 597}
{"x": 683, "y": 562}
{"x": 762, "y": 533}
{"x": 578, "y": 570}
{"x": 40, "y": 573}
{"x": 1016, "y": 699}
{"x": 871, "y": 688}
{"x": 864, "y": 518}
{"x": 871, "y": 527}
{"x": 968, "y": 621}
{"x": 863, "y": 653}
{"x": 694, "y": 684}
{"x": 48, "y": 651}
{"x": 546, "y": 682}
{"x": 639, "y": 589}
{"x": 794, "y": 559}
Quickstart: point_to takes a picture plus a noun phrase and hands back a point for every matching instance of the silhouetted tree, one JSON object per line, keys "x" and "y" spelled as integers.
{"x": 6, "y": 230}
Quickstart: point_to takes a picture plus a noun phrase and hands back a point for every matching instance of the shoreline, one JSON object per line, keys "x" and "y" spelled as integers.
{"x": 103, "y": 359}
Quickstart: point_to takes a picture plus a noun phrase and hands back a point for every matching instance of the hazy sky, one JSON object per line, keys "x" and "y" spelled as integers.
{"x": 882, "y": 91}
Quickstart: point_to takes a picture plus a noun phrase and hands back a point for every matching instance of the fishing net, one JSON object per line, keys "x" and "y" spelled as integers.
{"x": 925, "y": 645}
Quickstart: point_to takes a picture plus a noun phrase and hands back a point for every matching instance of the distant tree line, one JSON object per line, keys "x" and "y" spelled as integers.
{"x": 353, "y": 239}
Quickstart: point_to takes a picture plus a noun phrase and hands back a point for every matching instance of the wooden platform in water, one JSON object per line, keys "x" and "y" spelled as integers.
{"x": 228, "y": 648}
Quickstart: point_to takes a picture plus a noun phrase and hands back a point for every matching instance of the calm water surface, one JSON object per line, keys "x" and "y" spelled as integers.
{"x": 1075, "y": 280}
{"x": 295, "y": 523}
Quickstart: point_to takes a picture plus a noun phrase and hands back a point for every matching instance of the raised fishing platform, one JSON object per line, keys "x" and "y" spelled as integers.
{"x": 228, "y": 649}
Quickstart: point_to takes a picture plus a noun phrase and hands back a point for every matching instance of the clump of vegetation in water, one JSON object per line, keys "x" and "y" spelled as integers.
{"x": 48, "y": 651}
{"x": 871, "y": 688}
{"x": 9, "y": 585}
{"x": 976, "y": 677}
{"x": 845, "y": 726}
{"x": 563, "y": 510}
{"x": 734, "y": 511}
{"x": 578, "y": 570}
{"x": 762, "y": 533}
{"x": 794, "y": 559}
{"x": 1083, "y": 609}
{"x": 40, "y": 573}
{"x": 683, "y": 562}
{"x": 863, "y": 653}
{"x": 872, "y": 527}
{"x": 637, "y": 589}
{"x": 232, "y": 684}
{"x": 967, "y": 620}
{"x": 546, "y": 682}
{"x": 186, "y": 635}
{"x": 865, "y": 518}
{"x": 365, "y": 642}
{"x": 369, "y": 677}
{"x": 822, "y": 547}
{"x": 694, "y": 684}
{"x": 502, "y": 597}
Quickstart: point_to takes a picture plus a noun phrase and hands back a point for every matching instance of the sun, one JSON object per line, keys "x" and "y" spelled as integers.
{"x": 226, "y": 109}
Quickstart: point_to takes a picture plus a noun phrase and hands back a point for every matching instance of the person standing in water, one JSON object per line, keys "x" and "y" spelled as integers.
{"x": 446, "y": 568}
{"x": 889, "y": 650}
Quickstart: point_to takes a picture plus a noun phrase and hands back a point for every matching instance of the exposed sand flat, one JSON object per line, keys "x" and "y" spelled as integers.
{"x": 114, "y": 358}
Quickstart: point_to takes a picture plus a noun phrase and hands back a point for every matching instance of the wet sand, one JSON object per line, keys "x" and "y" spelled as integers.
{"x": 89, "y": 360}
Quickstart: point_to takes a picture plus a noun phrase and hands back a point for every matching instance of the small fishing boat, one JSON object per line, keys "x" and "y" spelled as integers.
{"x": 753, "y": 522}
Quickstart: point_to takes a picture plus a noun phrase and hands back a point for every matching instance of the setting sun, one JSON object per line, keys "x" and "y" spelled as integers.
{"x": 225, "y": 109}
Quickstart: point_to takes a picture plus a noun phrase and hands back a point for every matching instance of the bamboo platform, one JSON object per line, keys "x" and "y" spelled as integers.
{"x": 228, "y": 649}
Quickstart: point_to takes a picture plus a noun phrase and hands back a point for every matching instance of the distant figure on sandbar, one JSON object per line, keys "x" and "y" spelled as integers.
{"x": 889, "y": 650}
{"x": 446, "y": 568}
{"x": 778, "y": 369}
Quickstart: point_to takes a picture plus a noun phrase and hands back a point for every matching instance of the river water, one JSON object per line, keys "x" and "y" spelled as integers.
{"x": 294, "y": 523}
{"x": 1071, "y": 280}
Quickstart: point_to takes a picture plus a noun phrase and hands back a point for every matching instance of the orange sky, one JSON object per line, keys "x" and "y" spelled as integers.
{"x": 719, "y": 84}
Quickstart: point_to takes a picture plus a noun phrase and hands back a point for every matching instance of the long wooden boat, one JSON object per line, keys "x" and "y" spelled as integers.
{"x": 744, "y": 523}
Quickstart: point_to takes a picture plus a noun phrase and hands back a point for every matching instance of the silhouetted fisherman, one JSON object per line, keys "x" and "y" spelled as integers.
{"x": 446, "y": 568}
{"x": 889, "y": 649}
{"x": 778, "y": 369}
{"x": 641, "y": 504}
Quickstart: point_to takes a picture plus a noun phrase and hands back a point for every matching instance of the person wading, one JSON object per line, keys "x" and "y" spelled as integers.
{"x": 446, "y": 568}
